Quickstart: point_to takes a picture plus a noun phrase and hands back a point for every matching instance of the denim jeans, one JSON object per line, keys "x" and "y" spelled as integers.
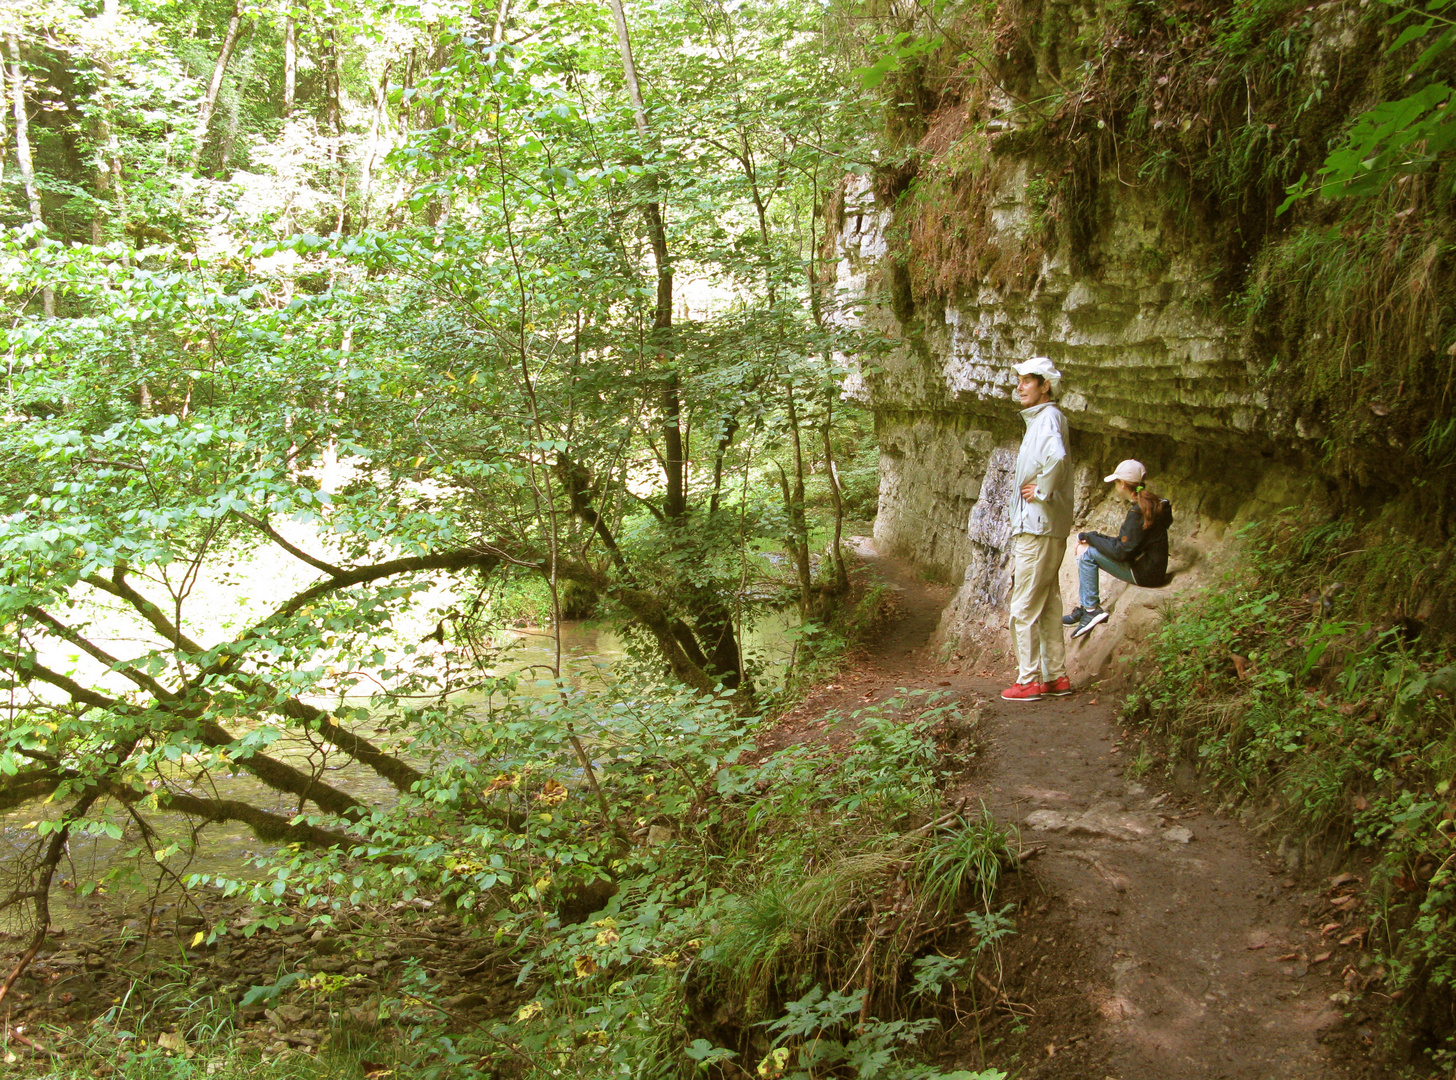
{"x": 1087, "y": 565}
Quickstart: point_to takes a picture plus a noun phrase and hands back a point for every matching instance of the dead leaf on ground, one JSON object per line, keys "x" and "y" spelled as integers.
{"x": 170, "y": 1040}
{"x": 1355, "y": 935}
{"x": 1344, "y": 879}
{"x": 1286, "y": 957}
{"x": 1261, "y": 945}
{"x": 1329, "y": 928}
{"x": 1241, "y": 665}
{"x": 1320, "y": 958}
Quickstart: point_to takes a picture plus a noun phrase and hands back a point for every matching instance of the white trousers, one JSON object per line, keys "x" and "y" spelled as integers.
{"x": 1036, "y": 607}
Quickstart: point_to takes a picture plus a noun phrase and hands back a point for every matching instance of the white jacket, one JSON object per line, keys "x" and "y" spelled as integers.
{"x": 1042, "y": 461}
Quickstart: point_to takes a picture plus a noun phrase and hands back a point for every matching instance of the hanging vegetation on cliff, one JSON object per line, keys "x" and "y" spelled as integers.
{"x": 1214, "y": 113}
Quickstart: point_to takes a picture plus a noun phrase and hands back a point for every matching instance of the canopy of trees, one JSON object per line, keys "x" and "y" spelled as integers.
{"x": 389, "y": 299}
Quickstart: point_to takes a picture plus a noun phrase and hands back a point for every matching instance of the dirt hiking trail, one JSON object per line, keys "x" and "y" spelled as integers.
{"x": 1155, "y": 940}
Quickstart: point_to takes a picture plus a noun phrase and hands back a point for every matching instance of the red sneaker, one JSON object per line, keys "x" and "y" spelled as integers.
{"x": 1023, "y": 691}
{"x": 1061, "y": 688}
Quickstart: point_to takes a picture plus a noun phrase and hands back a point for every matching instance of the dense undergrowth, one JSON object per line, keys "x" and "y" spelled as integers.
{"x": 683, "y": 900}
{"x": 1312, "y": 692}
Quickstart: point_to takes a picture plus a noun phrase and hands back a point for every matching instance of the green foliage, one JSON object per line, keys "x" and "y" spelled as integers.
{"x": 610, "y": 937}
{"x": 1296, "y": 703}
{"x": 339, "y": 384}
{"x": 621, "y": 894}
{"x": 264, "y": 470}
{"x": 1401, "y": 136}
{"x": 819, "y": 1035}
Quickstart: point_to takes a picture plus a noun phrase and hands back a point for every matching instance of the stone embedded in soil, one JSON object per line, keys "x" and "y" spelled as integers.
{"x": 286, "y": 1015}
{"x": 1105, "y": 819}
{"x": 467, "y": 1000}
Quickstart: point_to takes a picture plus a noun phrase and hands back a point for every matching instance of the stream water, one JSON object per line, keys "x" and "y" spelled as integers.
{"x": 136, "y": 878}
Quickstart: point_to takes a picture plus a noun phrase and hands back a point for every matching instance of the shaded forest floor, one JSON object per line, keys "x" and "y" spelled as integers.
{"x": 1156, "y": 939}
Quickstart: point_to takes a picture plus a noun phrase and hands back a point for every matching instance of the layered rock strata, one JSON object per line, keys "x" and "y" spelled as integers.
{"x": 1150, "y": 372}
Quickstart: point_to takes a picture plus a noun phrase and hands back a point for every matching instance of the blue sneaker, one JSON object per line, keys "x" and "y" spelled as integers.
{"x": 1073, "y": 617}
{"x": 1088, "y": 620}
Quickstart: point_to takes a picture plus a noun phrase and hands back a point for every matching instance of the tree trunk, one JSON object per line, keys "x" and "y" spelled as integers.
{"x": 214, "y": 85}
{"x": 335, "y": 121}
{"x": 675, "y": 502}
{"x": 836, "y": 494}
{"x": 290, "y": 65}
{"x": 23, "y": 158}
{"x": 713, "y": 622}
{"x": 794, "y": 505}
{"x": 335, "y": 116}
{"x": 502, "y": 13}
{"x": 371, "y": 151}
{"x": 118, "y": 193}
{"x": 103, "y": 186}
{"x": 2, "y": 130}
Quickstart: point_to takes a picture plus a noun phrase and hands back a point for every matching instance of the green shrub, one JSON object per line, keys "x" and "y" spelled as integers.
{"x": 622, "y": 852}
{"x": 1325, "y": 721}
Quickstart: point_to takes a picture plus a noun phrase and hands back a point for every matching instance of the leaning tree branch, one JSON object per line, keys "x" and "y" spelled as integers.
{"x": 397, "y": 772}
{"x": 574, "y": 478}
{"x": 42, "y": 892}
{"x": 27, "y": 784}
{"x": 651, "y": 612}
{"x": 276, "y": 774}
{"x": 400, "y": 775}
{"x": 66, "y": 633}
{"x": 577, "y": 483}
{"x": 266, "y": 825}
{"x": 462, "y": 559}
{"x": 298, "y": 553}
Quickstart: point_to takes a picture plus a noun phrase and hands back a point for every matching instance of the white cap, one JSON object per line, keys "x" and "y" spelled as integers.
{"x": 1038, "y": 365}
{"x": 1129, "y": 471}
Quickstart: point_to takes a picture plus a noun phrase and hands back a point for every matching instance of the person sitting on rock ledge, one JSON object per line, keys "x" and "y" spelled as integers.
{"x": 1040, "y": 516}
{"x": 1137, "y": 554}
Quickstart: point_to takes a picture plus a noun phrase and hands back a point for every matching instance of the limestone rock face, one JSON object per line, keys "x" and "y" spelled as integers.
{"x": 1143, "y": 345}
{"x": 1150, "y": 371}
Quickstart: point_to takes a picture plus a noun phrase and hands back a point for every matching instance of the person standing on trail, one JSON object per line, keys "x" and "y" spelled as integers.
{"x": 1041, "y": 518}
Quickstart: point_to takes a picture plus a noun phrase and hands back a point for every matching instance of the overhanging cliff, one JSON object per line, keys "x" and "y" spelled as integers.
{"x": 1227, "y": 348}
